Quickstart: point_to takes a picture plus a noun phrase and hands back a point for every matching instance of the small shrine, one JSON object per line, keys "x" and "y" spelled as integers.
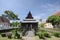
{"x": 29, "y": 23}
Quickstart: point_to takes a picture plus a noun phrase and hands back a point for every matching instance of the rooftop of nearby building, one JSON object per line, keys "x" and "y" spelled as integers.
{"x": 3, "y": 19}
{"x": 57, "y": 13}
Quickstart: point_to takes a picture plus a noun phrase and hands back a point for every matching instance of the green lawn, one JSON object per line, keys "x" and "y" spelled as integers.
{"x": 37, "y": 38}
{"x": 5, "y": 38}
{"x": 52, "y": 38}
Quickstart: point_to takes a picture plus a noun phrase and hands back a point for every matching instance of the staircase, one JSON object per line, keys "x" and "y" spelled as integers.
{"x": 29, "y": 38}
{"x": 30, "y": 33}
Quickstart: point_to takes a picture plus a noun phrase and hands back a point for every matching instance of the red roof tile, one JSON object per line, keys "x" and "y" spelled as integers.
{"x": 3, "y": 19}
{"x": 57, "y": 13}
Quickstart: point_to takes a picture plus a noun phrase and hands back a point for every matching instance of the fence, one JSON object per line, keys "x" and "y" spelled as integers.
{"x": 50, "y": 30}
{"x": 4, "y": 28}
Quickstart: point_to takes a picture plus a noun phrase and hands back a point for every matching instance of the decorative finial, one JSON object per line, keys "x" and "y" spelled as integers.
{"x": 29, "y": 16}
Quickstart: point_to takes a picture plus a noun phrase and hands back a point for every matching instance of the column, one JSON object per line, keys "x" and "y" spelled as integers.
{"x": 31, "y": 26}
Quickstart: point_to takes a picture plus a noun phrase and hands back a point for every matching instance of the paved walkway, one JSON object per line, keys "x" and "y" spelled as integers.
{"x": 29, "y": 38}
{"x": 29, "y": 34}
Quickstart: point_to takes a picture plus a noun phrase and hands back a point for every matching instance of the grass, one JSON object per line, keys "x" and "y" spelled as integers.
{"x": 52, "y": 38}
{"x": 36, "y": 37}
{"x": 6, "y": 38}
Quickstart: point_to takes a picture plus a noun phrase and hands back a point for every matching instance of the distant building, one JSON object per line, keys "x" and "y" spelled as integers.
{"x": 48, "y": 25}
{"x": 4, "y": 22}
{"x": 57, "y": 13}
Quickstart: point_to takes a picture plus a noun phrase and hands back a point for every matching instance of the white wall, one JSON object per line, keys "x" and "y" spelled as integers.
{"x": 4, "y": 25}
{"x": 48, "y": 25}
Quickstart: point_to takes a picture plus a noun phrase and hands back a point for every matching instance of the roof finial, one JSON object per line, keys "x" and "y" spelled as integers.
{"x": 29, "y": 16}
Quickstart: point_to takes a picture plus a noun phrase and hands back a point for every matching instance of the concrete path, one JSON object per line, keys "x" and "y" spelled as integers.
{"x": 29, "y": 38}
{"x": 29, "y": 34}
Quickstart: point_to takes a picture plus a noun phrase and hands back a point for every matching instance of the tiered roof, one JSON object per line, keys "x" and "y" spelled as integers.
{"x": 29, "y": 16}
{"x": 29, "y": 19}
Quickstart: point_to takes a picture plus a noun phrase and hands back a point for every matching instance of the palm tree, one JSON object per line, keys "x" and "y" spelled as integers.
{"x": 10, "y": 15}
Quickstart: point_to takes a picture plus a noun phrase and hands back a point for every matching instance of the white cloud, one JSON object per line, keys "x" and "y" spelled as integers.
{"x": 47, "y": 5}
{"x": 40, "y": 16}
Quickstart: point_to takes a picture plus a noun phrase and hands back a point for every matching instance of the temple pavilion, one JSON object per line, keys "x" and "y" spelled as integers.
{"x": 29, "y": 23}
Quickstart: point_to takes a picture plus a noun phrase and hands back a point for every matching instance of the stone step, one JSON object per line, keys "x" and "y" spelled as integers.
{"x": 28, "y": 38}
{"x": 29, "y": 34}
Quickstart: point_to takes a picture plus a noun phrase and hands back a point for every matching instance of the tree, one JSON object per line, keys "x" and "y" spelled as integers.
{"x": 15, "y": 24}
{"x": 10, "y": 15}
{"x": 55, "y": 20}
{"x": 41, "y": 24}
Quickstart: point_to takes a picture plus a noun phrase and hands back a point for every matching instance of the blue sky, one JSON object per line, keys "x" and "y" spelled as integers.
{"x": 39, "y": 8}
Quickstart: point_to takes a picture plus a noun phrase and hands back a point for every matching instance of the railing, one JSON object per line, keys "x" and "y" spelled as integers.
{"x": 50, "y": 30}
{"x": 4, "y": 28}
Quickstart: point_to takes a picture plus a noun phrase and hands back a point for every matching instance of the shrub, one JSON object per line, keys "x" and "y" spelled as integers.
{"x": 17, "y": 35}
{"x": 36, "y": 33}
{"x": 41, "y": 24}
{"x": 9, "y": 35}
{"x": 43, "y": 31}
{"x": 56, "y": 34}
{"x": 40, "y": 34}
{"x": 43, "y": 34}
{"x": 46, "y": 35}
{"x": 3, "y": 34}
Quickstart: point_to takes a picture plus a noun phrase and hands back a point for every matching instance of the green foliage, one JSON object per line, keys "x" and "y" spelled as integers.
{"x": 53, "y": 19}
{"x": 56, "y": 34}
{"x": 9, "y": 35}
{"x": 17, "y": 35}
{"x": 15, "y": 24}
{"x": 46, "y": 35}
{"x": 10, "y": 15}
{"x": 3, "y": 34}
{"x": 43, "y": 34}
{"x": 41, "y": 24}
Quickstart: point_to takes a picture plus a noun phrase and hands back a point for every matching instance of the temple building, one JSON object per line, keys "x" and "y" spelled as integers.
{"x": 4, "y": 22}
{"x": 29, "y": 23}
